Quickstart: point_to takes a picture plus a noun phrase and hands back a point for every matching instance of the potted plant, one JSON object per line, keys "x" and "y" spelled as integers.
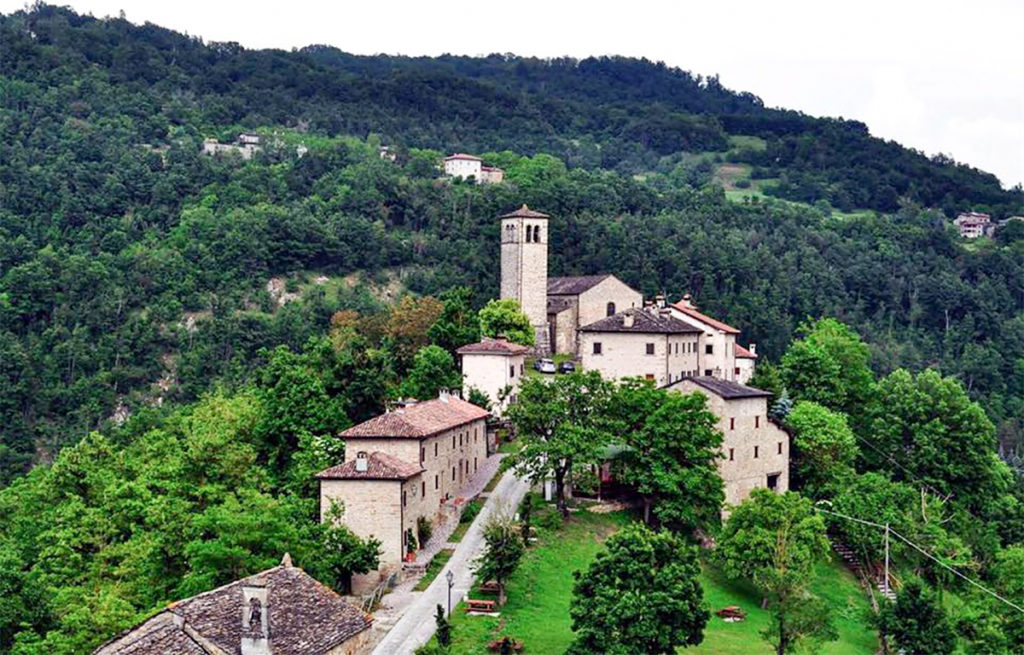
{"x": 410, "y": 546}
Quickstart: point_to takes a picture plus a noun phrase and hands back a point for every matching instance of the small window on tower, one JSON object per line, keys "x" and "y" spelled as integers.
{"x": 609, "y": 309}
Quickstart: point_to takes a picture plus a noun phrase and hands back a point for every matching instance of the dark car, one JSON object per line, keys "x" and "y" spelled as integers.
{"x": 566, "y": 367}
{"x": 544, "y": 365}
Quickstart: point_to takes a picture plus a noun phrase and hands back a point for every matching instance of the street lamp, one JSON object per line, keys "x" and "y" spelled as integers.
{"x": 450, "y": 577}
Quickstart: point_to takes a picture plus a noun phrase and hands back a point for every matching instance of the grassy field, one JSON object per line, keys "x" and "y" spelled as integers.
{"x": 433, "y": 569}
{"x": 540, "y": 592}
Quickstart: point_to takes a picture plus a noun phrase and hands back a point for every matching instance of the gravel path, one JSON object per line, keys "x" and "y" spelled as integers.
{"x": 417, "y": 624}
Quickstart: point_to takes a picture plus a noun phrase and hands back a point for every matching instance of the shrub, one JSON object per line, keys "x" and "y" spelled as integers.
{"x": 472, "y": 508}
{"x": 424, "y": 529}
{"x": 742, "y": 184}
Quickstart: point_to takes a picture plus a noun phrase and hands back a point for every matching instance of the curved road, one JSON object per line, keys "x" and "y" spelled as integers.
{"x": 417, "y": 624}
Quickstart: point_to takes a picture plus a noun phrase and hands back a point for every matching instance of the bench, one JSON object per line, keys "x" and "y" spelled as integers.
{"x": 489, "y": 587}
{"x": 479, "y": 605}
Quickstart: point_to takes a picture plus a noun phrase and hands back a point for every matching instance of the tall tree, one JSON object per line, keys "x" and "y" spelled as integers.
{"x": 504, "y": 318}
{"x": 918, "y": 623}
{"x": 503, "y": 549}
{"x": 672, "y": 445}
{"x": 457, "y": 325}
{"x": 561, "y": 423}
{"x": 641, "y": 594}
{"x": 824, "y": 448}
{"x": 774, "y": 541}
{"x": 432, "y": 369}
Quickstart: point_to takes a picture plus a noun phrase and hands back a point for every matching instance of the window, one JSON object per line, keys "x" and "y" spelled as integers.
{"x": 453, "y": 442}
{"x": 453, "y": 468}
{"x": 512, "y": 371}
{"x": 435, "y": 449}
{"x": 757, "y": 421}
{"x": 707, "y": 372}
{"x": 780, "y": 447}
{"x": 609, "y": 309}
{"x": 649, "y": 376}
{"x": 460, "y": 440}
{"x": 474, "y": 465}
{"x": 731, "y": 453}
{"x": 403, "y": 499}
{"x": 756, "y": 448}
{"x": 736, "y": 371}
{"x": 709, "y": 349}
{"x": 650, "y": 349}
{"x": 732, "y": 423}
{"x": 437, "y": 481}
{"x": 423, "y": 489}
{"x": 522, "y": 368}
{"x": 773, "y": 481}
{"x": 423, "y": 454}
{"x": 597, "y": 347}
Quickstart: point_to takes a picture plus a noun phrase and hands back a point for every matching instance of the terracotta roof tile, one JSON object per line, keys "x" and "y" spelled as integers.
{"x": 692, "y": 312}
{"x": 743, "y": 353}
{"x": 420, "y": 420}
{"x": 379, "y": 466}
{"x": 524, "y": 212}
{"x": 493, "y": 347}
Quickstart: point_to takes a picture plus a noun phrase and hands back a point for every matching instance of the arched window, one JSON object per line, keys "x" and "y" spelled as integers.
{"x": 610, "y": 309}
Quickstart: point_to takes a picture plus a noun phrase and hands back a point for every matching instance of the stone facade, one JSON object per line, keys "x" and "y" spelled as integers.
{"x": 493, "y": 366}
{"x": 420, "y": 457}
{"x": 577, "y": 301}
{"x": 746, "y": 361}
{"x": 717, "y": 348}
{"x": 462, "y": 166}
{"x": 646, "y": 343}
{"x": 755, "y": 452}
{"x": 524, "y": 267}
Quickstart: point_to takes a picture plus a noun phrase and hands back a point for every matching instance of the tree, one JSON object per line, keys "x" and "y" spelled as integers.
{"x": 433, "y": 369}
{"x": 504, "y": 318}
{"x": 829, "y": 365}
{"x": 345, "y": 554}
{"x": 672, "y": 445}
{"x": 925, "y": 430}
{"x": 641, "y": 594}
{"x": 560, "y": 423}
{"x": 479, "y": 398}
{"x": 918, "y": 623}
{"x": 824, "y": 448}
{"x": 774, "y": 541}
{"x": 503, "y": 548}
{"x": 457, "y": 325}
{"x": 444, "y": 628}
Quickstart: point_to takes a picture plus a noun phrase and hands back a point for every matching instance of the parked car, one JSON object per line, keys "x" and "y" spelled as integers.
{"x": 567, "y": 367}
{"x": 544, "y": 365}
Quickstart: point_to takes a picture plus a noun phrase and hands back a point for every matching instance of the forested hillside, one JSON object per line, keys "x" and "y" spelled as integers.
{"x": 134, "y": 270}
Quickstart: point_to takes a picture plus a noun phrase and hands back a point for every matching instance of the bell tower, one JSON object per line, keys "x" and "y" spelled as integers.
{"x": 524, "y": 268}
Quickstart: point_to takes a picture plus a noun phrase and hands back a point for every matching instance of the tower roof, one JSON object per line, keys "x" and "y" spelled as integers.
{"x": 524, "y": 212}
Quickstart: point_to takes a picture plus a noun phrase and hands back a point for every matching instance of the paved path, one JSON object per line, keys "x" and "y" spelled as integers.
{"x": 417, "y": 625}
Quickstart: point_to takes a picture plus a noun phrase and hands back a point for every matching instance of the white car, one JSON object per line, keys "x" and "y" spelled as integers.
{"x": 544, "y": 365}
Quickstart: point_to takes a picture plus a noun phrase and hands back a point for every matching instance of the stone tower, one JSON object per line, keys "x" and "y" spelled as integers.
{"x": 524, "y": 268}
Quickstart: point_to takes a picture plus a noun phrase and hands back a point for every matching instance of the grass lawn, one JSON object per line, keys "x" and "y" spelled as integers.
{"x": 433, "y": 569}
{"x": 469, "y": 513}
{"x": 540, "y": 592}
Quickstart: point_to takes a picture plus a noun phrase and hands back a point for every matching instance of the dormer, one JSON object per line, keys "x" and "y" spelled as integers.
{"x": 255, "y": 621}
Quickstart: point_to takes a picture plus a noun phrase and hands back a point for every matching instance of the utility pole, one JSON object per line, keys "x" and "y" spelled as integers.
{"x": 886, "y": 584}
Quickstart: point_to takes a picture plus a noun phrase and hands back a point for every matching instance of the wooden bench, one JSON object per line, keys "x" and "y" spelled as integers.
{"x": 479, "y": 605}
{"x": 489, "y": 587}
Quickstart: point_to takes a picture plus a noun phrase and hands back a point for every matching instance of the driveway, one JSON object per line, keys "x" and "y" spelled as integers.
{"x": 417, "y": 624}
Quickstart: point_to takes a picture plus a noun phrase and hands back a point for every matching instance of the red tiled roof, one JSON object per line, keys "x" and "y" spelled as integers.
{"x": 379, "y": 466}
{"x": 524, "y": 212}
{"x": 420, "y": 420}
{"x": 491, "y": 169}
{"x": 690, "y": 311}
{"x": 462, "y": 155}
{"x": 743, "y": 353}
{"x": 493, "y": 347}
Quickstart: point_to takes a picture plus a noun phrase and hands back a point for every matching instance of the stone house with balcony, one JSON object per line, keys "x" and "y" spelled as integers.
{"x": 280, "y": 611}
{"x": 755, "y": 451}
{"x": 403, "y": 465}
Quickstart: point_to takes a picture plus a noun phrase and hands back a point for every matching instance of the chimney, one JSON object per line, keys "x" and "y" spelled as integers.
{"x": 255, "y": 621}
{"x": 753, "y": 349}
{"x": 659, "y": 300}
{"x": 687, "y": 300}
{"x": 627, "y": 320}
{"x": 443, "y": 395}
{"x": 362, "y": 462}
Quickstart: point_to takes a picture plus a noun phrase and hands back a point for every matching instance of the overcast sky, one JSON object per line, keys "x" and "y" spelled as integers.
{"x": 938, "y": 75}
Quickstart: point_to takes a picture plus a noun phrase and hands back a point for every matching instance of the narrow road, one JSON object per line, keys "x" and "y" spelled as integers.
{"x": 417, "y": 624}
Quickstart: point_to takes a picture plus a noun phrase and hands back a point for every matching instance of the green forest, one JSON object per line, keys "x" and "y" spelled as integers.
{"x": 181, "y": 335}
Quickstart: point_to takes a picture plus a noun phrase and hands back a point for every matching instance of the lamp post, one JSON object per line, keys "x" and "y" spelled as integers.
{"x": 450, "y": 577}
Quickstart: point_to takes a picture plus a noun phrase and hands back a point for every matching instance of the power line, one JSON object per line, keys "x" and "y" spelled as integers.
{"x": 926, "y": 554}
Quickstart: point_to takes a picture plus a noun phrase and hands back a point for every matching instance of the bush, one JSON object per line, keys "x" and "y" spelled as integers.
{"x": 585, "y": 482}
{"x": 424, "y": 529}
{"x": 742, "y": 184}
{"x": 472, "y": 508}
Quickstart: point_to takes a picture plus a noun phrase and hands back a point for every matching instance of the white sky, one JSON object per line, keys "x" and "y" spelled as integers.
{"x": 937, "y": 75}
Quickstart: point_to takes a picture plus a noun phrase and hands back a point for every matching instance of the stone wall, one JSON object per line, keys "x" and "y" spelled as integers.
{"x": 593, "y": 303}
{"x": 624, "y": 354}
{"x": 373, "y": 508}
{"x": 491, "y": 373}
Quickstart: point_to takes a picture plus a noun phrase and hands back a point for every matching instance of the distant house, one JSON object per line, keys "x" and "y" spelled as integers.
{"x": 465, "y": 166}
{"x": 281, "y": 611}
{"x": 640, "y": 342}
{"x": 249, "y": 139}
{"x": 972, "y": 224}
{"x": 755, "y": 452}
{"x": 492, "y": 366}
{"x": 245, "y": 147}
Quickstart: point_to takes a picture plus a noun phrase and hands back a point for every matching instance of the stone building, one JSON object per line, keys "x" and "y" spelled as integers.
{"x": 281, "y": 611}
{"x": 640, "y": 342}
{"x": 495, "y": 367}
{"x": 746, "y": 361}
{"x": 717, "y": 349}
{"x": 577, "y": 301}
{"x": 403, "y": 465}
{"x": 972, "y": 225}
{"x": 461, "y": 165}
{"x": 491, "y": 175}
{"x": 755, "y": 452}
{"x": 524, "y": 267}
